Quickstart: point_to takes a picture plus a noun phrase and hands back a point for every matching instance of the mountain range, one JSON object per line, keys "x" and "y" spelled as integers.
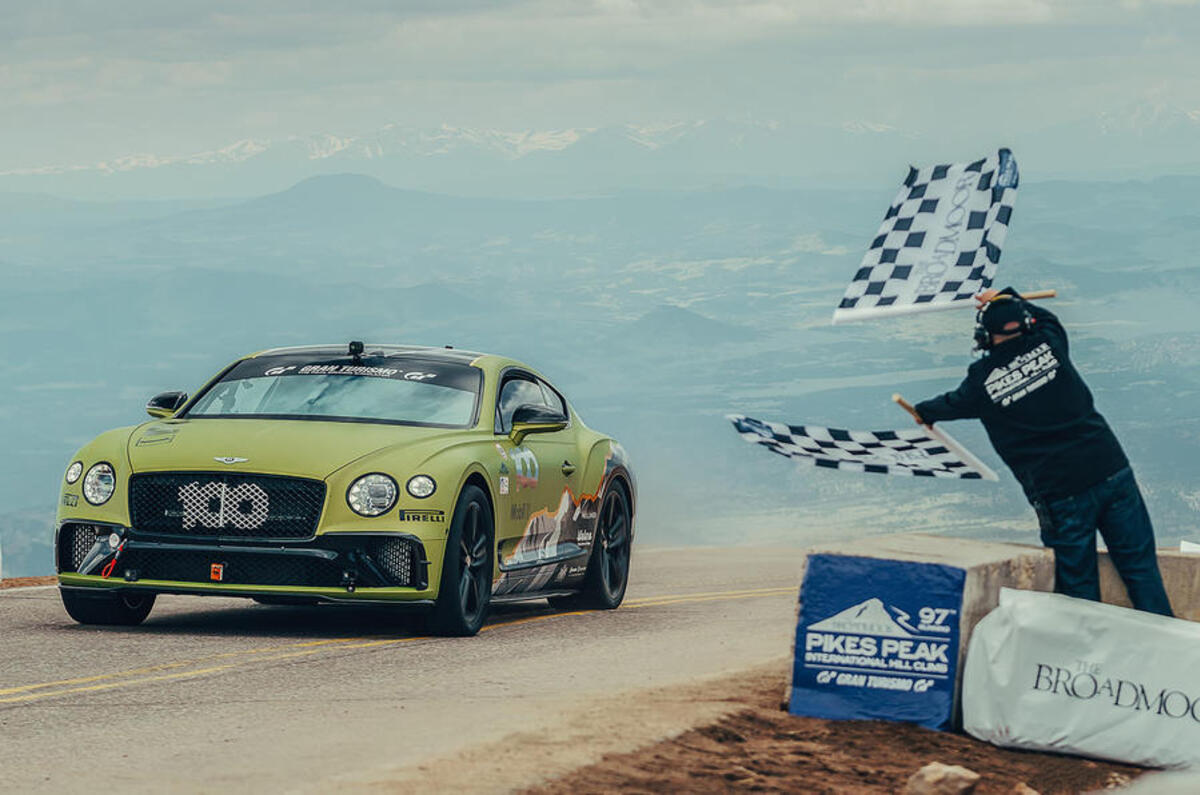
{"x": 656, "y": 312}
{"x": 1151, "y": 137}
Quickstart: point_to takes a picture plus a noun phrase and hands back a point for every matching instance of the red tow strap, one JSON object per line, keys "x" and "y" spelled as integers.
{"x": 107, "y": 571}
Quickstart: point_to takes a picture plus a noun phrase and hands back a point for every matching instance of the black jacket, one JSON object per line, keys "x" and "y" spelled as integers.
{"x": 1037, "y": 411}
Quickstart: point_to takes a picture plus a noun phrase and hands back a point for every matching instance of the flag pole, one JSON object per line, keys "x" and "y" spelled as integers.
{"x": 948, "y": 440}
{"x": 1038, "y": 294}
{"x": 904, "y": 404}
{"x": 870, "y": 313}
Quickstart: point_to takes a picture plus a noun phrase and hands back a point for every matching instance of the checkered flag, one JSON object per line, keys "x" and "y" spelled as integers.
{"x": 939, "y": 242}
{"x": 921, "y": 452}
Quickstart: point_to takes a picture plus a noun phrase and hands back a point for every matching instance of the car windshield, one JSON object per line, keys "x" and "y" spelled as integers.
{"x": 402, "y": 390}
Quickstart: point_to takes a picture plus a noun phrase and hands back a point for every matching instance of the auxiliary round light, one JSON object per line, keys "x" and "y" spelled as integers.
{"x": 74, "y": 471}
{"x": 421, "y": 486}
{"x": 372, "y": 495}
{"x": 99, "y": 484}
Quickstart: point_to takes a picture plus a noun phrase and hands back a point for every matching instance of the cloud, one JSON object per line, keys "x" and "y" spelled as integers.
{"x": 184, "y": 76}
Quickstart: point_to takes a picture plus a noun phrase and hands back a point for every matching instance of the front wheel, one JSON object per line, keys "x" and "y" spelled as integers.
{"x": 466, "y": 583}
{"x": 105, "y": 608}
{"x": 608, "y": 568}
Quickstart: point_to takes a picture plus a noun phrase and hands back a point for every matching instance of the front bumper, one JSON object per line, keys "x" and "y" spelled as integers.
{"x": 354, "y": 567}
{"x": 360, "y": 596}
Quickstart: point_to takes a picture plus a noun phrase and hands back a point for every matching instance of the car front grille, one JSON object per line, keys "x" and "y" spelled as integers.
{"x": 225, "y": 505}
{"x": 395, "y": 558}
{"x": 397, "y": 563}
{"x": 228, "y": 567}
{"x": 75, "y": 541}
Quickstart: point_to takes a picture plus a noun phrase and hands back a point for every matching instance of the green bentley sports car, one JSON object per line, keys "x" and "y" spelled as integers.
{"x": 377, "y": 474}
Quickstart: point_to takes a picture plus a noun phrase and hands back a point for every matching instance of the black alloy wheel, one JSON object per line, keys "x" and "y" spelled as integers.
{"x": 466, "y": 583}
{"x": 613, "y": 537}
{"x": 607, "y": 576}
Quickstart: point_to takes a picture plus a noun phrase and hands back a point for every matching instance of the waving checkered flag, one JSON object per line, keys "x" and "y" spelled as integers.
{"x": 921, "y": 452}
{"x": 939, "y": 242}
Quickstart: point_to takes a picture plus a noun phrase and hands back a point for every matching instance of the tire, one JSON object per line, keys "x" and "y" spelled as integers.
{"x": 607, "y": 574}
{"x": 115, "y": 609}
{"x": 465, "y": 591}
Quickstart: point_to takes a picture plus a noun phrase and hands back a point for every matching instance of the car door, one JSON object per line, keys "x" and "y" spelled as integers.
{"x": 536, "y": 497}
{"x": 575, "y": 518}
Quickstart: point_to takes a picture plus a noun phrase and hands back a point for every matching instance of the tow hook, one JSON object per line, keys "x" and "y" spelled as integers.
{"x": 107, "y": 571}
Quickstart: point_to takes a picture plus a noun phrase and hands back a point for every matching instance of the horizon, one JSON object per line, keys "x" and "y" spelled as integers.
{"x": 527, "y": 97}
{"x": 885, "y": 183}
{"x": 284, "y": 172}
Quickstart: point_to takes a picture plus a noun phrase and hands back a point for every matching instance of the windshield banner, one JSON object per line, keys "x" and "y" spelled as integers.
{"x": 449, "y": 374}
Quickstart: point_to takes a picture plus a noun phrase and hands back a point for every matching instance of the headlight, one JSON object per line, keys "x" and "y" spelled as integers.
{"x": 99, "y": 484}
{"x": 372, "y": 495}
{"x": 74, "y": 471}
{"x": 421, "y": 486}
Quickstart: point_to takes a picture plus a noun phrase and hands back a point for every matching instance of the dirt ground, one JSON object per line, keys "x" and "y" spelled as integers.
{"x": 24, "y": 582}
{"x": 763, "y": 749}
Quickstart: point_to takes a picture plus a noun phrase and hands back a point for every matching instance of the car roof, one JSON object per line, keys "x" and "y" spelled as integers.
{"x": 446, "y": 354}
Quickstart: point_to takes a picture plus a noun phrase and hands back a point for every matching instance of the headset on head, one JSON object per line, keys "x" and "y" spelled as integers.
{"x": 983, "y": 337}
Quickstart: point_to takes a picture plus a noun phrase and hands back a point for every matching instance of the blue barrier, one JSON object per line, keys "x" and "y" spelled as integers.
{"x": 877, "y": 640}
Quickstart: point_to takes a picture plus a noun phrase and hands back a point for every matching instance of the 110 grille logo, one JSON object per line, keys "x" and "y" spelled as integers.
{"x": 217, "y": 505}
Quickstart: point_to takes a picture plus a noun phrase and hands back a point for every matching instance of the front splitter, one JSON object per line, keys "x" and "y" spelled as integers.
{"x": 398, "y": 597}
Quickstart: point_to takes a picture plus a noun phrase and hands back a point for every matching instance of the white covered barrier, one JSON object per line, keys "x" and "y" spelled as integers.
{"x": 1051, "y": 673}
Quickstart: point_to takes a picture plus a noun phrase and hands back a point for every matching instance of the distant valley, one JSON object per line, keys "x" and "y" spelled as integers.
{"x": 657, "y": 312}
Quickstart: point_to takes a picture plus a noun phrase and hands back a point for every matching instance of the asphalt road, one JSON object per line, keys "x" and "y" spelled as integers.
{"x": 224, "y": 694}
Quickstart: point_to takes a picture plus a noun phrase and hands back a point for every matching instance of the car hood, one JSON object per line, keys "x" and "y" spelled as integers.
{"x": 302, "y": 448}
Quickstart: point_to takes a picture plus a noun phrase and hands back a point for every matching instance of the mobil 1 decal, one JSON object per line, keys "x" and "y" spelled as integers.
{"x": 877, "y": 639}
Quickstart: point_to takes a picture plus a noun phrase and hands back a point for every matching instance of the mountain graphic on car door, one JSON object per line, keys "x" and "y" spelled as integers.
{"x": 539, "y": 502}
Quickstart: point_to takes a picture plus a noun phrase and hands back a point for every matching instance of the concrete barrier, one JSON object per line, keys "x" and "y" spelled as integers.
{"x": 1181, "y": 576}
{"x": 987, "y": 567}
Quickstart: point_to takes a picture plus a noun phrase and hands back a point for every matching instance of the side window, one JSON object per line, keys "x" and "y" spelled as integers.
{"x": 517, "y": 391}
{"x": 552, "y": 399}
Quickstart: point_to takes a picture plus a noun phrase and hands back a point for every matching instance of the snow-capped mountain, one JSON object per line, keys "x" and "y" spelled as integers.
{"x": 392, "y": 140}
{"x": 1152, "y": 117}
{"x": 449, "y": 158}
{"x": 1142, "y": 140}
{"x": 1150, "y": 138}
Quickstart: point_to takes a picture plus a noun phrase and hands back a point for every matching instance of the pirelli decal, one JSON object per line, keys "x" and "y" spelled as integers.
{"x": 421, "y": 515}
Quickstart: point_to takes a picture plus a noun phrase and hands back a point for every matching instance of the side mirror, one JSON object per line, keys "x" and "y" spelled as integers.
{"x": 165, "y": 404}
{"x": 530, "y": 418}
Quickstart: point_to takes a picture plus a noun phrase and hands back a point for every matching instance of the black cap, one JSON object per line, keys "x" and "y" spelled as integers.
{"x": 1000, "y": 312}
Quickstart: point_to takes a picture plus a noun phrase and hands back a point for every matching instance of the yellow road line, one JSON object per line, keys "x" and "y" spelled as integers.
{"x": 668, "y": 602}
{"x": 180, "y": 664}
{"x": 532, "y": 619}
{"x": 289, "y": 651}
{"x": 674, "y": 600}
{"x": 762, "y": 591}
{"x": 111, "y": 685}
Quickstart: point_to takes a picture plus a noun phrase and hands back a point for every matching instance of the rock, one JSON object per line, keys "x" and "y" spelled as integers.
{"x": 1023, "y": 789}
{"x": 938, "y": 779}
{"x": 1116, "y": 781}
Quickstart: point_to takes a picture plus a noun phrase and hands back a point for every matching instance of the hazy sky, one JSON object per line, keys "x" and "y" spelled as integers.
{"x": 81, "y": 81}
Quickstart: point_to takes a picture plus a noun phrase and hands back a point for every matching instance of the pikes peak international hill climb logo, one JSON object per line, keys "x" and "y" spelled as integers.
{"x": 876, "y": 646}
